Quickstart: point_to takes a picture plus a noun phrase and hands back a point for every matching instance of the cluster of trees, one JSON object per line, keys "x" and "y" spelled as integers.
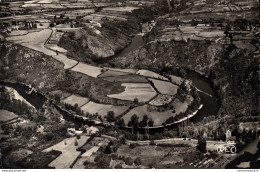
{"x": 145, "y": 122}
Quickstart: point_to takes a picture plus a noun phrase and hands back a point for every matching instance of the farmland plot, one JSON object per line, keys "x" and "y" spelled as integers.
{"x": 176, "y": 80}
{"x": 127, "y": 79}
{"x": 36, "y": 41}
{"x": 87, "y": 69}
{"x": 6, "y": 115}
{"x": 103, "y": 109}
{"x": 161, "y": 100}
{"x": 151, "y": 74}
{"x": 165, "y": 87}
{"x": 157, "y": 116}
{"x": 74, "y": 99}
{"x": 142, "y": 91}
{"x": 69, "y": 153}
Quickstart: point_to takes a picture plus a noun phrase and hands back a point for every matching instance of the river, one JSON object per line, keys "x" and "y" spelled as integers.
{"x": 34, "y": 98}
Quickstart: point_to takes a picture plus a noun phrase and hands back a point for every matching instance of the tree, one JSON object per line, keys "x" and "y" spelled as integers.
{"x": 138, "y": 161}
{"x": 108, "y": 149}
{"x": 144, "y": 121}
{"x": 136, "y": 101}
{"x": 150, "y": 123}
{"x": 120, "y": 122}
{"x": 110, "y": 116}
{"x": 201, "y": 146}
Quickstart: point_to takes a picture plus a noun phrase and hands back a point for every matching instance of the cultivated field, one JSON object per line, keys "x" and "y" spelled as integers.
{"x": 143, "y": 92}
{"x": 161, "y": 100}
{"x": 157, "y": 116}
{"x": 74, "y": 99}
{"x": 87, "y": 69}
{"x": 69, "y": 153}
{"x": 103, "y": 109}
{"x": 165, "y": 87}
{"x": 6, "y": 115}
{"x": 122, "y": 70}
{"x": 36, "y": 41}
{"x": 176, "y": 80}
{"x": 151, "y": 74}
{"x": 126, "y": 79}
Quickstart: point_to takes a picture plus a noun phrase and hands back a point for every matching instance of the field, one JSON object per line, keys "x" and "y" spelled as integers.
{"x": 55, "y": 47}
{"x": 143, "y": 92}
{"x": 103, "y": 109}
{"x": 18, "y": 32}
{"x": 69, "y": 153}
{"x": 161, "y": 100}
{"x": 152, "y": 155}
{"x": 74, "y": 99}
{"x": 122, "y": 70}
{"x": 6, "y": 115}
{"x": 156, "y": 116}
{"x": 176, "y": 80}
{"x": 151, "y": 74}
{"x": 110, "y": 73}
{"x": 126, "y": 79}
{"x": 87, "y": 69}
{"x": 36, "y": 41}
{"x": 165, "y": 87}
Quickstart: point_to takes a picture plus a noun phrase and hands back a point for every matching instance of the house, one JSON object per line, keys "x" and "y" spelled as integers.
{"x": 92, "y": 130}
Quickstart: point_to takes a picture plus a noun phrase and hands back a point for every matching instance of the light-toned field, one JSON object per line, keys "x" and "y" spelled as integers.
{"x": 36, "y": 41}
{"x": 151, "y": 74}
{"x": 103, "y": 109}
{"x": 87, "y": 69}
{"x": 210, "y": 34}
{"x": 6, "y": 115}
{"x": 55, "y": 47}
{"x": 142, "y": 91}
{"x": 122, "y": 70}
{"x": 112, "y": 73}
{"x": 161, "y": 100}
{"x": 69, "y": 153}
{"x": 128, "y": 9}
{"x": 176, "y": 80}
{"x": 165, "y": 87}
{"x": 131, "y": 78}
{"x": 74, "y": 99}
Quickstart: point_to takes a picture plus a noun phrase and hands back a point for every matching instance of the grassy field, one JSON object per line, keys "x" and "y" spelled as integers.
{"x": 151, "y": 74}
{"x": 143, "y": 92}
{"x": 36, "y": 41}
{"x": 161, "y": 100}
{"x": 103, "y": 109}
{"x": 127, "y": 79}
{"x": 69, "y": 153}
{"x": 176, "y": 80}
{"x": 165, "y": 87}
{"x": 6, "y": 115}
{"x": 151, "y": 154}
{"x": 156, "y": 116}
{"x": 87, "y": 69}
{"x": 74, "y": 99}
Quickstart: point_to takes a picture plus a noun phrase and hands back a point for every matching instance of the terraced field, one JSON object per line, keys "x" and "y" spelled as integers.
{"x": 151, "y": 74}
{"x": 165, "y": 87}
{"x": 157, "y": 116}
{"x": 143, "y": 92}
{"x": 103, "y": 109}
{"x": 74, "y": 99}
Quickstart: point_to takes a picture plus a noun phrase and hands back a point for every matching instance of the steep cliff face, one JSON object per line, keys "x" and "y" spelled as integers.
{"x": 23, "y": 65}
{"x": 89, "y": 44}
